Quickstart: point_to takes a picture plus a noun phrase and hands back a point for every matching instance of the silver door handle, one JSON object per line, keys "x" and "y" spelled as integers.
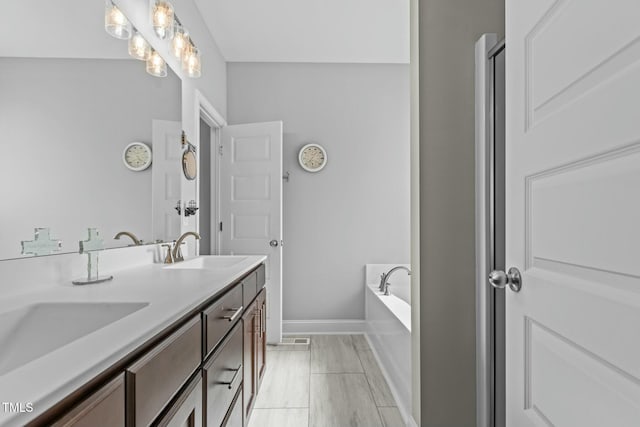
{"x": 274, "y": 243}
{"x": 499, "y": 279}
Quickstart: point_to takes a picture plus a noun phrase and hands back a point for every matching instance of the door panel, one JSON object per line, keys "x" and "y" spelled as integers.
{"x": 165, "y": 175}
{"x": 251, "y": 203}
{"x": 573, "y": 169}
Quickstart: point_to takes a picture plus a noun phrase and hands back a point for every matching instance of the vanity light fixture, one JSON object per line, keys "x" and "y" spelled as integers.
{"x": 139, "y": 48}
{"x": 115, "y": 23}
{"x": 191, "y": 63}
{"x": 156, "y": 66}
{"x": 180, "y": 39}
{"x": 162, "y": 19}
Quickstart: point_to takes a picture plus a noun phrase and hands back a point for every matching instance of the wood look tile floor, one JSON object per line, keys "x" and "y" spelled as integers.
{"x": 335, "y": 383}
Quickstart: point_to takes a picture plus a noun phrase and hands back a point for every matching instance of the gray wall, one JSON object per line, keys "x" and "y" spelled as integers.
{"x": 356, "y": 210}
{"x": 448, "y": 32}
{"x": 65, "y": 123}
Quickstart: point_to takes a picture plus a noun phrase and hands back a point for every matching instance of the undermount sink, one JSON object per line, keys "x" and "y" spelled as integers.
{"x": 35, "y": 330}
{"x": 213, "y": 262}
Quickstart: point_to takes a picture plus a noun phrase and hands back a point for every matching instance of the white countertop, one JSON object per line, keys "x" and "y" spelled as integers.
{"x": 171, "y": 293}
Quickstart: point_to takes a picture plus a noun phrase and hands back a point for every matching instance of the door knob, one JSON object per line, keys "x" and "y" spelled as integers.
{"x": 499, "y": 279}
{"x": 274, "y": 243}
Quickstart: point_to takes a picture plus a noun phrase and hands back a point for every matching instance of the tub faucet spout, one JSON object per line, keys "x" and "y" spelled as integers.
{"x": 384, "y": 279}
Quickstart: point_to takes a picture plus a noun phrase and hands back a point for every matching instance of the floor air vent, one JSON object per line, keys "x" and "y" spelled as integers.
{"x": 293, "y": 343}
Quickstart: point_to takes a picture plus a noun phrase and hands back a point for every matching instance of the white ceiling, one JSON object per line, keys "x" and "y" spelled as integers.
{"x": 354, "y": 31}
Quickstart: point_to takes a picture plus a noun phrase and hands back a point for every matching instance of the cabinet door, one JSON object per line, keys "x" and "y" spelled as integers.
{"x": 187, "y": 409}
{"x": 250, "y": 344}
{"x": 262, "y": 336}
{"x": 104, "y": 407}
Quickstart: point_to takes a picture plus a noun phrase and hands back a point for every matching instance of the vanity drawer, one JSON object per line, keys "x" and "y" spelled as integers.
{"x": 234, "y": 417}
{"x": 260, "y": 277}
{"x": 220, "y": 317}
{"x": 187, "y": 409}
{"x": 223, "y": 377}
{"x": 156, "y": 377}
{"x": 249, "y": 288}
{"x": 104, "y": 407}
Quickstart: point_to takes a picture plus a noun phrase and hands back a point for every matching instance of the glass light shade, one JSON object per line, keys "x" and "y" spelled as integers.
{"x": 162, "y": 19}
{"x": 138, "y": 47}
{"x": 115, "y": 23}
{"x": 191, "y": 63}
{"x": 156, "y": 65}
{"x": 180, "y": 41}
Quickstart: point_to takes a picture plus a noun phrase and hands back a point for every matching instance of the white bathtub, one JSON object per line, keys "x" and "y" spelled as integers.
{"x": 388, "y": 329}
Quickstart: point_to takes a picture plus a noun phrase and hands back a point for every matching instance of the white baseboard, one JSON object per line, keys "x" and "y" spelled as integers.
{"x": 311, "y": 327}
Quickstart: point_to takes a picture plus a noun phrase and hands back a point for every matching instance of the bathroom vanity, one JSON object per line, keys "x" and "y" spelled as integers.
{"x": 188, "y": 348}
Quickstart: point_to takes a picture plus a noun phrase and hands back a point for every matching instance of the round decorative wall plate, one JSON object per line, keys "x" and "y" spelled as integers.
{"x": 312, "y": 157}
{"x": 137, "y": 156}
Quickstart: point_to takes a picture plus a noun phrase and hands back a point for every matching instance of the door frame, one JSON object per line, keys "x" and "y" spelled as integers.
{"x": 490, "y": 302}
{"x": 206, "y": 111}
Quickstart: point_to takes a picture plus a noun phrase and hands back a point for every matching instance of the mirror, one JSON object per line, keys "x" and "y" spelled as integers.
{"x": 72, "y": 101}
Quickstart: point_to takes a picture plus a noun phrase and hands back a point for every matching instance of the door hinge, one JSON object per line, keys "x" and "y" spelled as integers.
{"x": 220, "y": 150}
{"x": 220, "y": 225}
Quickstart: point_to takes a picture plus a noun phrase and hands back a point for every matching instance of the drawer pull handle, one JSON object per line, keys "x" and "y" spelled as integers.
{"x": 233, "y": 379}
{"x": 237, "y": 312}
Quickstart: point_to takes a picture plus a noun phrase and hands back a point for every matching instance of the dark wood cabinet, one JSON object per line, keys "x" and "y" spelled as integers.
{"x": 249, "y": 288}
{"x": 157, "y": 376}
{"x": 186, "y": 411}
{"x": 261, "y": 356}
{"x": 234, "y": 417}
{"x": 255, "y": 350}
{"x": 219, "y": 318}
{"x": 203, "y": 370}
{"x": 223, "y": 376}
{"x": 104, "y": 407}
{"x": 250, "y": 386}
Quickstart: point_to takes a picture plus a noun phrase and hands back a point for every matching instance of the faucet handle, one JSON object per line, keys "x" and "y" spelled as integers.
{"x": 169, "y": 258}
{"x": 386, "y": 289}
{"x": 382, "y": 277}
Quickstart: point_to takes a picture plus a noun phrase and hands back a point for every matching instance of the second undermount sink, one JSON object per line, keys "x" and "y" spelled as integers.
{"x": 37, "y": 329}
{"x": 213, "y": 262}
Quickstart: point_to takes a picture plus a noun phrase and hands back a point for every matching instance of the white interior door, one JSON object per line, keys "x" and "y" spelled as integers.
{"x": 251, "y": 204}
{"x": 165, "y": 176}
{"x": 573, "y": 212}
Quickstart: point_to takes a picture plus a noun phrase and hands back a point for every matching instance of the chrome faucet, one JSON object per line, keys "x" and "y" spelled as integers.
{"x": 384, "y": 278}
{"x": 130, "y": 235}
{"x": 177, "y": 253}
